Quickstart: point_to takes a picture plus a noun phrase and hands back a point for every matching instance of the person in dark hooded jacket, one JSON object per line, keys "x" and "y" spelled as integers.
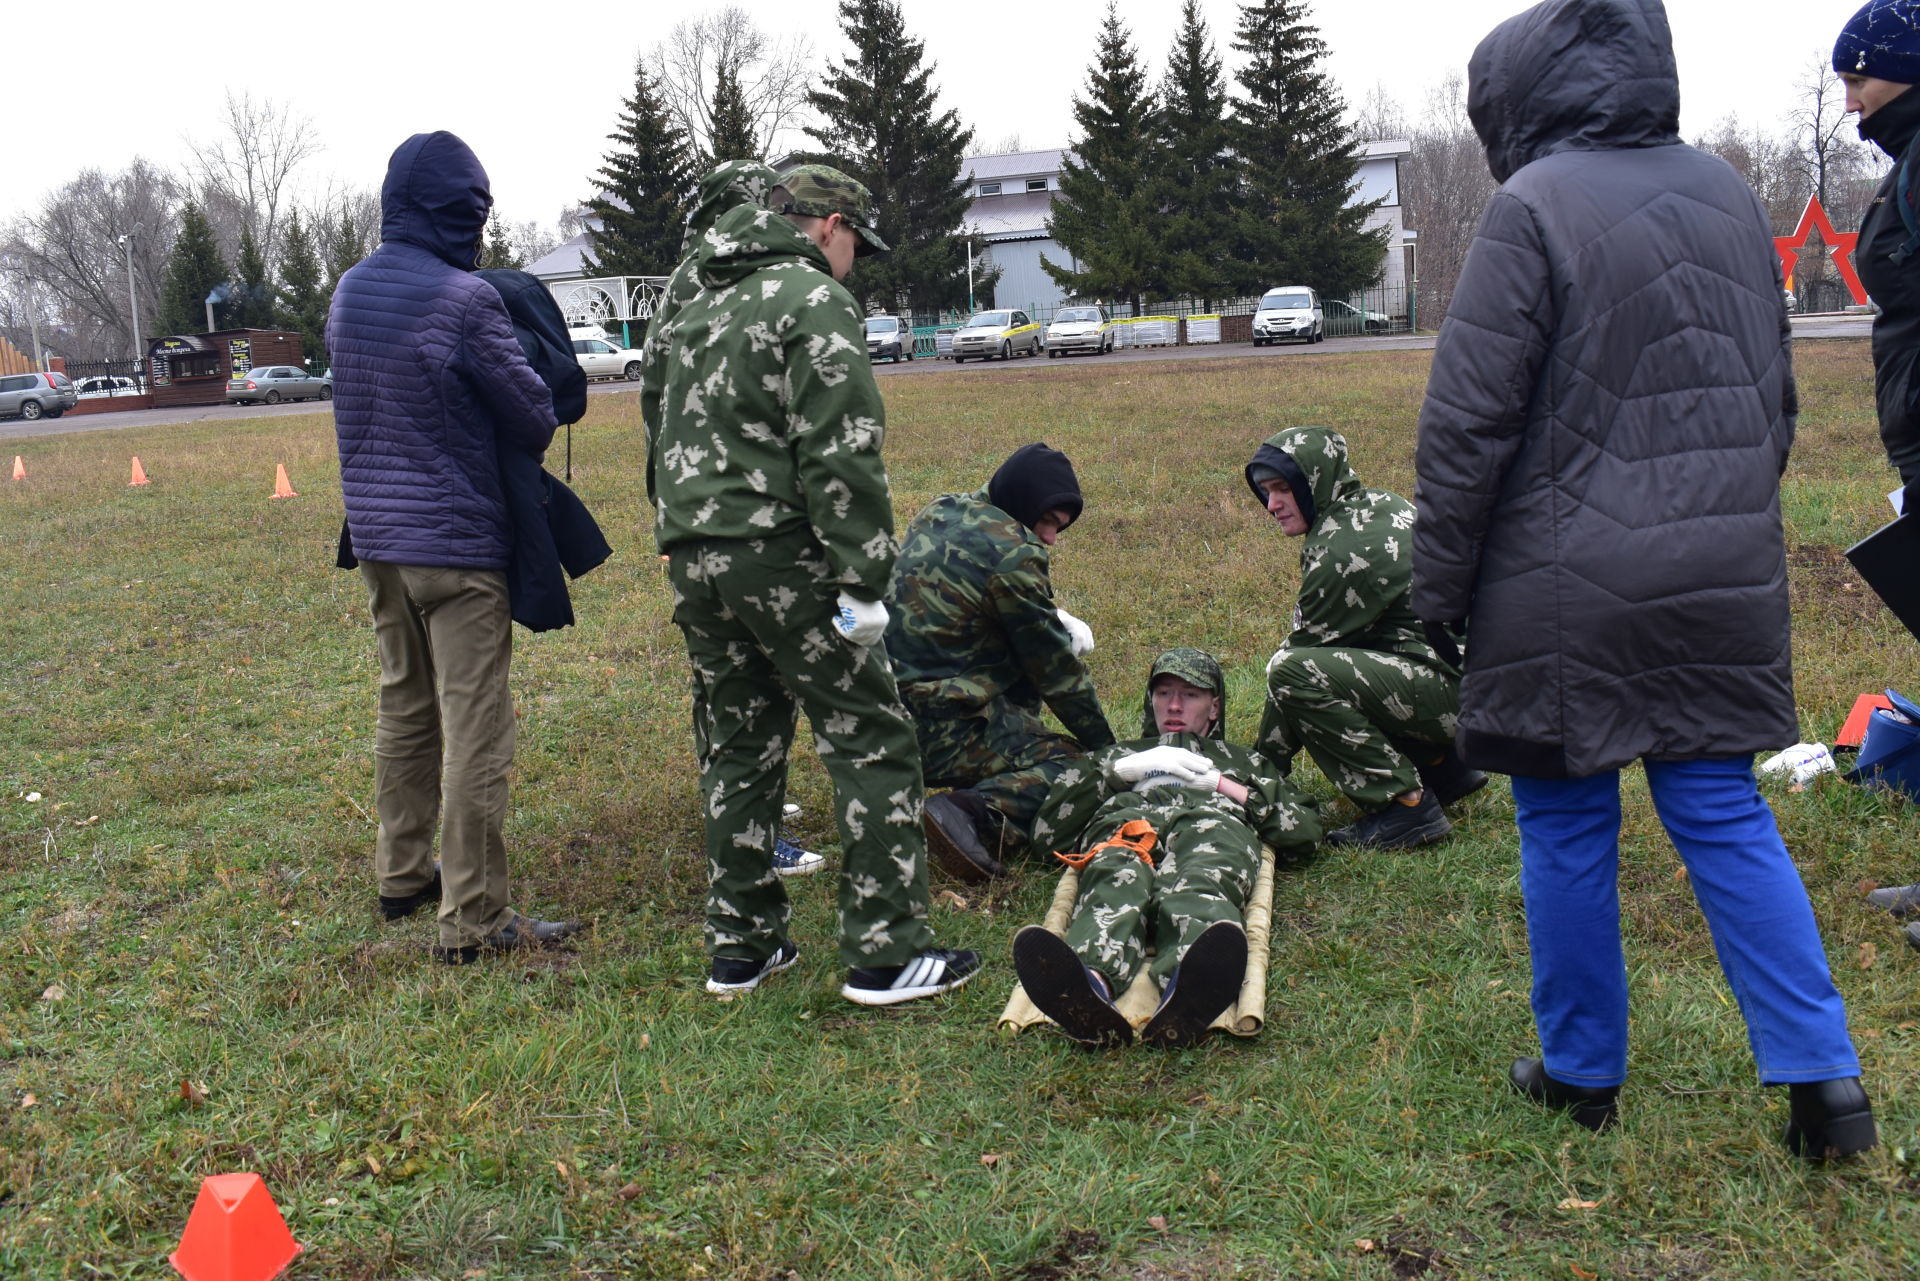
{"x": 1609, "y": 411}
{"x": 1166, "y": 830}
{"x": 429, "y": 383}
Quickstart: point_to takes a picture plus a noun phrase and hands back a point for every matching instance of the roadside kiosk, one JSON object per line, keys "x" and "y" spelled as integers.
{"x": 193, "y": 369}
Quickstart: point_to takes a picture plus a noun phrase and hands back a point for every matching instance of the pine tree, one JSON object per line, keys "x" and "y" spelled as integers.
{"x": 250, "y": 305}
{"x": 1297, "y": 161}
{"x": 348, "y": 249}
{"x": 1195, "y": 185}
{"x": 194, "y": 270}
{"x": 644, "y": 186}
{"x": 732, "y": 133}
{"x": 883, "y": 127}
{"x": 302, "y": 303}
{"x": 1105, "y": 216}
{"x": 498, "y": 252}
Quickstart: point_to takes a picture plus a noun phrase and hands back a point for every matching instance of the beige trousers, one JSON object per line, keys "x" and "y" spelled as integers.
{"x": 445, "y": 739}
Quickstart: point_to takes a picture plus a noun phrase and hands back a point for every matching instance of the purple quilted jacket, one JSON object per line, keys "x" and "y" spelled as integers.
{"x": 428, "y": 379}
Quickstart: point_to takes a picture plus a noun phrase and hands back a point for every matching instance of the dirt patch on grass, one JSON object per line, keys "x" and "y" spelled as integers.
{"x": 1821, "y": 579}
{"x": 1076, "y": 1254}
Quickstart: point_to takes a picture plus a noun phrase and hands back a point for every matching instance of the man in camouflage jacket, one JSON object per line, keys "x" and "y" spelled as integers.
{"x": 1166, "y": 830}
{"x": 773, "y": 510}
{"x": 1359, "y": 683}
{"x": 979, "y": 647}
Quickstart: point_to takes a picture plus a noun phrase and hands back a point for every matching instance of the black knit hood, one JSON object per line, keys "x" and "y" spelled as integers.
{"x": 1033, "y": 481}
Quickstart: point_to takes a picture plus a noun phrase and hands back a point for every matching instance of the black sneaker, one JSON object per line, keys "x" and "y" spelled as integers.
{"x": 953, "y": 823}
{"x": 1206, "y": 982}
{"x": 519, "y": 934}
{"x": 1901, "y": 901}
{"x": 732, "y": 975}
{"x": 1066, "y": 991}
{"x": 934, "y": 971}
{"x": 1596, "y": 1107}
{"x": 1449, "y": 781}
{"x": 396, "y": 909}
{"x": 1396, "y": 826}
{"x": 1829, "y": 1119}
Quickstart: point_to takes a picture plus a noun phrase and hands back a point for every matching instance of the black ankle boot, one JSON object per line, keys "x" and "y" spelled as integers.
{"x": 1828, "y": 1119}
{"x": 1595, "y": 1107}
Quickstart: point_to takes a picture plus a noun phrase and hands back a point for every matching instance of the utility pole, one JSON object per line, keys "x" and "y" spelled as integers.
{"x": 133, "y": 299}
{"x": 33, "y": 308}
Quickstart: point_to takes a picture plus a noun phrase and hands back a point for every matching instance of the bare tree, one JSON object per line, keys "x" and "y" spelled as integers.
{"x": 343, "y": 223}
{"x": 1380, "y": 115}
{"x": 1768, "y": 164}
{"x": 244, "y": 173}
{"x": 572, "y": 221}
{"x": 532, "y": 240}
{"x": 1821, "y": 152}
{"x": 1444, "y": 185}
{"x": 1007, "y": 146}
{"x": 773, "y": 76}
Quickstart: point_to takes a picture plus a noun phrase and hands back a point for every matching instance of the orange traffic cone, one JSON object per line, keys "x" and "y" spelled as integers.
{"x": 235, "y": 1233}
{"x": 19, "y": 468}
{"x": 139, "y": 474}
{"x": 282, "y": 487}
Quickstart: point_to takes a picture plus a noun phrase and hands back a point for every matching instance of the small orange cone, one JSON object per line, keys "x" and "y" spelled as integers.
{"x": 235, "y": 1233}
{"x": 282, "y": 487}
{"x": 139, "y": 474}
{"x": 19, "y": 468}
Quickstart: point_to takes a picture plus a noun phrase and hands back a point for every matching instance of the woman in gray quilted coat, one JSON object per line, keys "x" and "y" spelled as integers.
{"x": 1610, "y": 408}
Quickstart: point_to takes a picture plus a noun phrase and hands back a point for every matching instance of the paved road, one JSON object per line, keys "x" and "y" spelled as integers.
{"x": 1804, "y": 327}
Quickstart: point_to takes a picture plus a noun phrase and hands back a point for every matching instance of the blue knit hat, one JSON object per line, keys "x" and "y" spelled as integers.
{"x": 1881, "y": 41}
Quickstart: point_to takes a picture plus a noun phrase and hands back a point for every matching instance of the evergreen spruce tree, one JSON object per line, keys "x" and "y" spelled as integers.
{"x": 732, "y": 135}
{"x": 498, "y": 251}
{"x": 194, "y": 270}
{"x": 302, "y": 298}
{"x": 645, "y": 183}
{"x": 1106, "y": 217}
{"x": 348, "y": 249}
{"x": 1195, "y": 186}
{"x": 883, "y": 127}
{"x": 250, "y": 305}
{"x": 1297, "y": 162}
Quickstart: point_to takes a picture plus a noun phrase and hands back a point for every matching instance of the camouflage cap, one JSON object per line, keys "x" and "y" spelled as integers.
{"x": 1195, "y": 667}
{"x": 819, "y": 190}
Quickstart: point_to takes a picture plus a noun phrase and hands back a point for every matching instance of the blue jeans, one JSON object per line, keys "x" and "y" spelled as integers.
{"x": 1747, "y": 887}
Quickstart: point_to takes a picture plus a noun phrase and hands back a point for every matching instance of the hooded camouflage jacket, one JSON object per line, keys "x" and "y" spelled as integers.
{"x": 1079, "y": 808}
{"x": 973, "y": 620}
{"x": 769, "y": 418}
{"x": 1356, "y": 564}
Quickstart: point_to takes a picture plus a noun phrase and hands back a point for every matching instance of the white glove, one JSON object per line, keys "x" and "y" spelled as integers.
{"x": 1182, "y": 765}
{"x": 1205, "y": 780}
{"x": 860, "y": 622}
{"x": 1078, "y": 633}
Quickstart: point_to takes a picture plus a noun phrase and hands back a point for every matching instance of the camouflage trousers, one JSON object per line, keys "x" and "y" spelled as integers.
{"x": 1357, "y": 712}
{"x": 760, "y": 641}
{"x": 1005, "y": 752}
{"x": 1205, "y": 865}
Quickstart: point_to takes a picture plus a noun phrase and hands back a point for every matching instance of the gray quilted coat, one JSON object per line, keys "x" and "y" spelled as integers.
{"x": 1609, "y": 411}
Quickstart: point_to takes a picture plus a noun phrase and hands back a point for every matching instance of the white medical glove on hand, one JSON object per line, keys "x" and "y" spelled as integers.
{"x": 1077, "y": 632}
{"x": 1206, "y": 780}
{"x": 1182, "y": 765}
{"x": 860, "y": 622}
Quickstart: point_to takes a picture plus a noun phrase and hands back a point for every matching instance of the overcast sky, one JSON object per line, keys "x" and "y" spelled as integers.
{"x": 535, "y": 88}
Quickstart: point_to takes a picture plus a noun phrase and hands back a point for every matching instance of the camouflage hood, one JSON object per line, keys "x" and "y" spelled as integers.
{"x": 1320, "y": 455}
{"x": 735, "y": 183}
{"x": 749, "y": 239}
{"x": 1196, "y": 667}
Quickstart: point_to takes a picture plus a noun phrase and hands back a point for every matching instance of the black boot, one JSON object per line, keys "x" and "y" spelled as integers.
{"x": 963, "y": 835}
{"x": 405, "y": 905}
{"x": 1828, "y": 1119}
{"x": 1595, "y": 1107}
{"x": 1066, "y": 991}
{"x": 1396, "y": 826}
{"x": 1448, "y": 780}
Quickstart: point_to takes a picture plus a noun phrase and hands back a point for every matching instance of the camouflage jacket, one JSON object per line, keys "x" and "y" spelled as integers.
{"x": 735, "y": 183}
{"x": 973, "y": 620}
{"x": 769, "y": 417}
{"x": 1088, "y": 794}
{"x": 1356, "y": 565}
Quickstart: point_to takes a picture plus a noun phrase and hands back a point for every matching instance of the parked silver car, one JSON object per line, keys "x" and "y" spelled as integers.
{"x": 32, "y": 396}
{"x": 1078, "y": 329}
{"x": 888, "y": 338}
{"x": 271, "y": 384}
{"x": 1345, "y": 318}
{"x": 996, "y": 333}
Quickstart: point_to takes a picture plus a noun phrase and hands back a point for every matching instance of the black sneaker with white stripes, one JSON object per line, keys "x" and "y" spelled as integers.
{"x": 934, "y": 971}
{"x": 732, "y": 975}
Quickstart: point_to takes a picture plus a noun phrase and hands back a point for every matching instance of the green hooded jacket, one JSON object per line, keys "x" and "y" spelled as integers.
{"x": 769, "y": 417}
{"x": 1086, "y": 799}
{"x": 1356, "y": 563}
{"x": 972, "y": 620}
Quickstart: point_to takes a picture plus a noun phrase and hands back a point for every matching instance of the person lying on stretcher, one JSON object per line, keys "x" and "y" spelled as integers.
{"x": 1166, "y": 831}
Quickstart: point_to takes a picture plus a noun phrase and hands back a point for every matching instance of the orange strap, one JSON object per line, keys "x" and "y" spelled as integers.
{"x": 1135, "y": 834}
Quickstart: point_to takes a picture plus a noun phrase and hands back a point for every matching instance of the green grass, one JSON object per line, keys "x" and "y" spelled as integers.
{"x": 190, "y": 688}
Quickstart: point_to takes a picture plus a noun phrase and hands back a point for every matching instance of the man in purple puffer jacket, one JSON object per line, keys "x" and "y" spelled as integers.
{"x": 429, "y": 383}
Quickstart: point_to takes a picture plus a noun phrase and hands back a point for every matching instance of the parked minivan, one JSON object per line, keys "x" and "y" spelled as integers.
{"x": 1288, "y": 312}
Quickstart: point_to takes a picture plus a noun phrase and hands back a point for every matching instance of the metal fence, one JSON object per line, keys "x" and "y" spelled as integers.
{"x": 94, "y": 378}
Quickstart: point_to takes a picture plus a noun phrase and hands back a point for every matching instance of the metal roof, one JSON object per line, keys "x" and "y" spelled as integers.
{"x": 1016, "y": 164}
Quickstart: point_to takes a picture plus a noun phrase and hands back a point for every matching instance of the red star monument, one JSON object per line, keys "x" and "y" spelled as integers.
{"x": 1839, "y": 244}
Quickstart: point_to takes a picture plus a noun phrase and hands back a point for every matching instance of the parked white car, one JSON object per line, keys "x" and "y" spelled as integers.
{"x": 1078, "y": 329}
{"x": 1288, "y": 313}
{"x": 996, "y": 333}
{"x": 601, "y": 359}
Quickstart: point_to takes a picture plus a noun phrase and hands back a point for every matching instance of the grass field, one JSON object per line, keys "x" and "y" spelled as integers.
{"x": 193, "y": 978}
